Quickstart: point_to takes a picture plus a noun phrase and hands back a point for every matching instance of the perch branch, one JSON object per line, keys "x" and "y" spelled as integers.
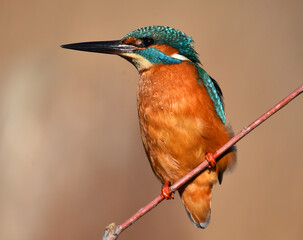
{"x": 112, "y": 231}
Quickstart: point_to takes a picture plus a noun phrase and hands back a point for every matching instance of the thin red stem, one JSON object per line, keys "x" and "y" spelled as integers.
{"x": 114, "y": 232}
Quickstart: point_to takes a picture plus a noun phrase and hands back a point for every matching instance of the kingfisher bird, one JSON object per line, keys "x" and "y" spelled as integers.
{"x": 180, "y": 109}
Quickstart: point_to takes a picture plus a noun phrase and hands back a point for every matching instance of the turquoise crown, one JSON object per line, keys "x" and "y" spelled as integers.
{"x": 169, "y": 36}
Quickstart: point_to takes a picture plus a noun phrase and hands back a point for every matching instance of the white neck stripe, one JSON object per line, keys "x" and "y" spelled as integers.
{"x": 180, "y": 57}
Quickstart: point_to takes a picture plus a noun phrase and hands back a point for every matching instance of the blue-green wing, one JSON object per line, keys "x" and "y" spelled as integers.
{"x": 214, "y": 92}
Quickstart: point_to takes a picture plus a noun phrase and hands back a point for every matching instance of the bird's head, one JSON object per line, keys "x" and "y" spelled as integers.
{"x": 146, "y": 47}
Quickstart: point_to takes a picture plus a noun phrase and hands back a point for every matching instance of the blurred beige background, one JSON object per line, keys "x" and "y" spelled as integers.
{"x": 71, "y": 158}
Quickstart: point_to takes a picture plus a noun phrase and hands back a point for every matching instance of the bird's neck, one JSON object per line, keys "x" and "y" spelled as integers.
{"x": 163, "y": 84}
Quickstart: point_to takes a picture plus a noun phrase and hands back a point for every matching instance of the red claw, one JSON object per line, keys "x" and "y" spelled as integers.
{"x": 166, "y": 192}
{"x": 211, "y": 160}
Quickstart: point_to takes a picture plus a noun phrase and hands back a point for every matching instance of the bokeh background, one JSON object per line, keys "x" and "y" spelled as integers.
{"x": 71, "y": 158}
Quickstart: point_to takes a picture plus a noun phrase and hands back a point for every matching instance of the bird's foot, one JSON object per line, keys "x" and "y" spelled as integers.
{"x": 166, "y": 191}
{"x": 211, "y": 160}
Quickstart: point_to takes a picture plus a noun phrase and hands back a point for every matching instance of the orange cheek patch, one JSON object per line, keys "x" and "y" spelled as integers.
{"x": 167, "y": 50}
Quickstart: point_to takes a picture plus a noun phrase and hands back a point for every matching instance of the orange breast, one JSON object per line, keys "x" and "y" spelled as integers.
{"x": 179, "y": 124}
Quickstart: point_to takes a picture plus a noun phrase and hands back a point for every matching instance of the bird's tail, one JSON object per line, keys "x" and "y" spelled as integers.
{"x": 196, "y": 198}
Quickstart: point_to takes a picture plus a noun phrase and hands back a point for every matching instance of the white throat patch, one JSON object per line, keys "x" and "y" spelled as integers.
{"x": 140, "y": 62}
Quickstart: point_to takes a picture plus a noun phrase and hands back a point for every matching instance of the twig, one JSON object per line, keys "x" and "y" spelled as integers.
{"x": 112, "y": 231}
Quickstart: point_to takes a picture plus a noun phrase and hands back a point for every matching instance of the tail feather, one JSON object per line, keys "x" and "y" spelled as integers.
{"x": 200, "y": 224}
{"x": 197, "y": 201}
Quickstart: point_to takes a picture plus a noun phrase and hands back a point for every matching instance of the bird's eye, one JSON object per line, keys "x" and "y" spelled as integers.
{"x": 145, "y": 42}
{"x": 148, "y": 41}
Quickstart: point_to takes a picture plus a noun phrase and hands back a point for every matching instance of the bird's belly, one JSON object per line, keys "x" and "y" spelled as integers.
{"x": 173, "y": 142}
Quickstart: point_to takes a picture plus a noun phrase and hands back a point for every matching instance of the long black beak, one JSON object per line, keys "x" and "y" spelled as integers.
{"x": 109, "y": 47}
